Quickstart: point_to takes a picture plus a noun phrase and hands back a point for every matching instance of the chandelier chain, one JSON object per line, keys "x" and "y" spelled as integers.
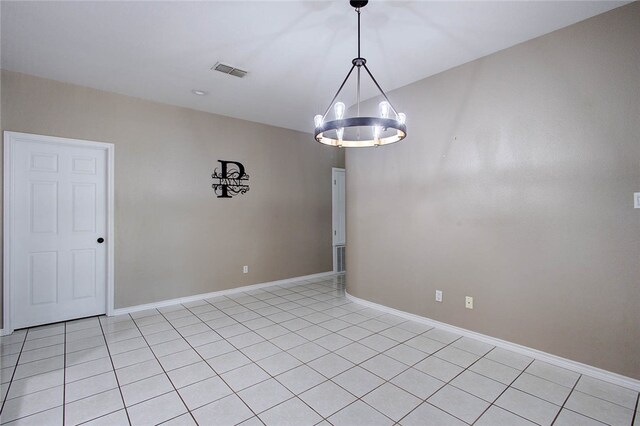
{"x": 358, "y": 10}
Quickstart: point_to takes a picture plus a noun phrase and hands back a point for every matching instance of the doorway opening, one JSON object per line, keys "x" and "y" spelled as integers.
{"x": 339, "y": 219}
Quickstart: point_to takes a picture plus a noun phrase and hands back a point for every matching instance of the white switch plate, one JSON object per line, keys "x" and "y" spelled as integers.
{"x": 245, "y": 269}
{"x": 468, "y": 302}
{"x": 636, "y": 200}
{"x": 438, "y": 295}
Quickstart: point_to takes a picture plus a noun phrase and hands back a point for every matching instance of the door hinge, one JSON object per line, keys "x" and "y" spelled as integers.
{"x": 334, "y": 232}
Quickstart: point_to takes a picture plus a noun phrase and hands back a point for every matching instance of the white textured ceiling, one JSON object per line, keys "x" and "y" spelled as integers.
{"x": 297, "y": 53}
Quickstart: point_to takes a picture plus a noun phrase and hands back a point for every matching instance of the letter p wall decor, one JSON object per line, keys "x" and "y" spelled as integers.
{"x": 231, "y": 179}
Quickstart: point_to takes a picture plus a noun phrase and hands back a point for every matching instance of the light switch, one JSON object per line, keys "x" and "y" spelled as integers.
{"x": 636, "y": 200}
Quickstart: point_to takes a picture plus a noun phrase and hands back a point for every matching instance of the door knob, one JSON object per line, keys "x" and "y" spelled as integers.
{"x": 100, "y": 240}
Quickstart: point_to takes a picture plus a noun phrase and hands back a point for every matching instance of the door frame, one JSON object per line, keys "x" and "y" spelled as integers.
{"x": 13, "y": 138}
{"x": 334, "y": 171}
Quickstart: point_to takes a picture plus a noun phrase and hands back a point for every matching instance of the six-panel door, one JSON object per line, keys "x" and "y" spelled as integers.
{"x": 59, "y": 211}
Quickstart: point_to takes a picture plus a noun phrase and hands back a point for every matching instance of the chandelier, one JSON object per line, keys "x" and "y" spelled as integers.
{"x": 360, "y": 131}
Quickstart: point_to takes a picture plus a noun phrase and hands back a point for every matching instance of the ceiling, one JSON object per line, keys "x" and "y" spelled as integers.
{"x": 296, "y": 52}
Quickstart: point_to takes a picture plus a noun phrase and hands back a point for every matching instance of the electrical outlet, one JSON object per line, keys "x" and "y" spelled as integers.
{"x": 636, "y": 200}
{"x": 438, "y": 295}
{"x": 468, "y": 302}
{"x": 245, "y": 269}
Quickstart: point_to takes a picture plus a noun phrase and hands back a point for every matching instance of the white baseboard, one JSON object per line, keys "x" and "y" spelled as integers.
{"x": 163, "y": 303}
{"x": 598, "y": 373}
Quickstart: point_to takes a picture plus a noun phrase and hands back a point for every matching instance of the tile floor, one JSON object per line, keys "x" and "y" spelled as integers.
{"x": 298, "y": 354}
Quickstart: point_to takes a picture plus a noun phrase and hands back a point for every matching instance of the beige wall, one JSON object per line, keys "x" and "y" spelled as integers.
{"x": 514, "y": 186}
{"x": 173, "y": 236}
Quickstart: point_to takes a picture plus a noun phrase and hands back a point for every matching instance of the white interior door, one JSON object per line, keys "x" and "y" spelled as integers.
{"x": 338, "y": 195}
{"x": 58, "y": 230}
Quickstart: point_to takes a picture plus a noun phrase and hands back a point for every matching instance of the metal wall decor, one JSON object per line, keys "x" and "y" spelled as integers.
{"x": 231, "y": 179}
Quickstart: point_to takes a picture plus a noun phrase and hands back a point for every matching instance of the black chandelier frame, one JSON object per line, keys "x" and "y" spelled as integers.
{"x": 384, "y": 123}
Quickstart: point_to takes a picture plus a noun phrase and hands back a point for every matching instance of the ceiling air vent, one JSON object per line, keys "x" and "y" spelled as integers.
{"x": 228, "y": 69}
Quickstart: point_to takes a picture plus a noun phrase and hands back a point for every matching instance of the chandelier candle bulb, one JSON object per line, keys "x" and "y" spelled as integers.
{"x": 401, "y": 118}
{"x": 384, "y": 109}
{"x": 376, "y": 133}
{"x": 351, "y": 132}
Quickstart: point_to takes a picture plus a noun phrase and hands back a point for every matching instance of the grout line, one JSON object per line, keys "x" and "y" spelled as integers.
{"x": 280, "y": 296}
{"x": 234, "y": 300}
{"x": 173, "y": 418}
{"x": 425, "y": 400}
{"x": 212, "y": 369}
{"x": 297, "y": 395}
{"x": 164, "y": 370}
{"x": 239, "y": 304}
{"x": 256, "y": 362}
{"x": 383, "y": 353}
{"x": 102, "y": 415}
{"x": 237, "y": 349}
{"x": 567, "y": 399}
{"x": 451, "y": 344}
{"x": 385, "y": 381}
{"x": 13, "y": 373}
{"x": 64, "y": 374}
{"x": 15, "y": 421}
{"x": 94, "y": 394}
{"x": 635, "y": 412}
{"x": 502, "y": 393}
{"x": 114, "y": 373}
{"x": 100, "y": 323}
{"x": 328, "y": 352}
{"x": 65, "y": 367}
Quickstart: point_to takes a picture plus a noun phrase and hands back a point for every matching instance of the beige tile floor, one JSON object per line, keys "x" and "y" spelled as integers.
{"x": 298, "y": 354}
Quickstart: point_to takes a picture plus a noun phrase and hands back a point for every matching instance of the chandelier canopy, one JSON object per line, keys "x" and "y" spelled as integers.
{"x": 360, "y": 131}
